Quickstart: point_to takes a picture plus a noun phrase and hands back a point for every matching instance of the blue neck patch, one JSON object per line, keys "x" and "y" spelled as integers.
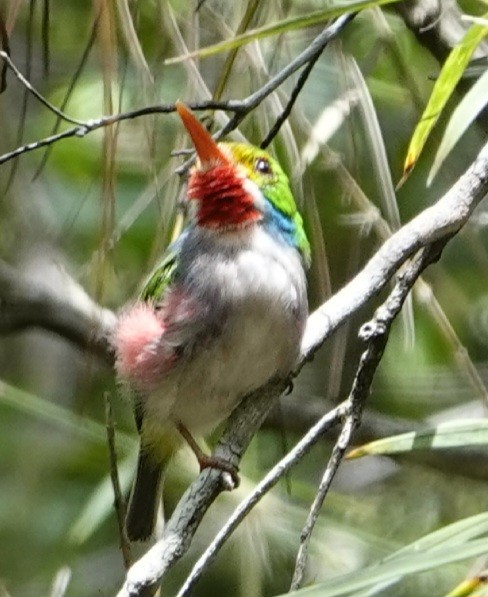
{"x": 280, "y": 225}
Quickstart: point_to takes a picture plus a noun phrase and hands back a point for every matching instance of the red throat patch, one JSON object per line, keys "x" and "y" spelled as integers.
{"x": 222, "y": 200}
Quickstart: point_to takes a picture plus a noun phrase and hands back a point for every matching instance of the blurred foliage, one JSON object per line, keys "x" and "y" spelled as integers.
{"x": 104, "y": 206}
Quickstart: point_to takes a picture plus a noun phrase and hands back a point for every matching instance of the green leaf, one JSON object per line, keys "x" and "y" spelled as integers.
{"x": 467, "y": 587}
{"x": 467, "y": 110}
{"x": 334, "y": 9}
{"x": 101, "y": 502}
{"x": 450, "y": 74}
{"x": 457, "y": 533}
{"x": 56, "y": 415}
{"x": 454, "y": 434}
{"x": 395, "y": 568}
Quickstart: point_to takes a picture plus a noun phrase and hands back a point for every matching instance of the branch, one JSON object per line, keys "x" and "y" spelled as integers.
{"x": 26, "y": 83}
{"x": 145, "y": 575}
{"x": 328, "y": 421}
{"x": 119, "y": 503}
{"x": 439, "y": 222}
{"x": 335, "y": 459}
{"x": 68, "y": 311}
{"x": 445, "y": 218}
{"x": 60, "y": 306}
{"x": 240, "y": 108}
{"x": 298, "y": 412}
{"x": 302, "y": 79}
{"x": 376, "y": 333}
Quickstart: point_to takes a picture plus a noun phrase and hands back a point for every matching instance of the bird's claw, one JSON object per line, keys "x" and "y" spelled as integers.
{"x": 220, "y": 464}
{"x": 206, "y": 461}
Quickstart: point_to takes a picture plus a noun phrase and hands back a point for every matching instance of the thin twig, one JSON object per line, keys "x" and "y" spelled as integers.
{"x": 69, "y": 91}
{"x": 328, "y": 421}
{"x": 26, "y": 83}
{"x": 119, "y": 503}
{"x": 240, "y": 108}
{"x": 84, "y": 128}
{"x": 251, "y": 102}
{"x": 317, "y": 45}
{"x": 45, "y": 37}
{"x": 376, "y": 333}
{"x": 302, "y": 79}
{"x": 335, "y": 459}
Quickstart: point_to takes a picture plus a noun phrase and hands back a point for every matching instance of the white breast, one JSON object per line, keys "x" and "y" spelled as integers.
{"x": 257, "y": 291}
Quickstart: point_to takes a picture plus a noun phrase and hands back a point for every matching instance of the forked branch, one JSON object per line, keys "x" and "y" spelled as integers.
{"x": 434, "y": 226}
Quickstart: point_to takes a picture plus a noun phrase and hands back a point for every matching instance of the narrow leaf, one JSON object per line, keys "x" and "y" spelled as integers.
{"x": 450, "y": 74}
{"x": 466, "y": 588}
{"x": 394, "y": 569}
{"x": 100, "y": 503}
{"x": 467, "y": 110}
{"x": 132, "y": 41}
{"x": 61, "y": 417}
{"x": 454, "y": 434}
{"x": 457, "y": 533}
{"x": 334, "y": 9}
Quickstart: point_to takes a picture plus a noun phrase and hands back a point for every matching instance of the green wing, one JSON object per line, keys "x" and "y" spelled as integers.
{"x": 164, "y": 274}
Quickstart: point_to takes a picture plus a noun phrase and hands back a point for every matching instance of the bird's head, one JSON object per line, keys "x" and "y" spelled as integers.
{"x": 236, "y": 185}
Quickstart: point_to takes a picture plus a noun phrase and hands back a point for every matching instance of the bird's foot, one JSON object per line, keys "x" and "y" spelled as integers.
{"x": 206, "y": 461}
{"x": 209, "y": 461}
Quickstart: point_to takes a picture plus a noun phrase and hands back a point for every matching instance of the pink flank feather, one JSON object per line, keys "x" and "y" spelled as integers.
{"x": 141, "y": 358}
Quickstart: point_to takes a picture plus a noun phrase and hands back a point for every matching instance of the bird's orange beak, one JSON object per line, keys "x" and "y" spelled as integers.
{"x": 207, "y": 150}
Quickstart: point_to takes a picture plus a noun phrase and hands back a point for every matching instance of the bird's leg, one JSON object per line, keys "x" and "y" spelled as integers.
{"x": 206, "y": 460}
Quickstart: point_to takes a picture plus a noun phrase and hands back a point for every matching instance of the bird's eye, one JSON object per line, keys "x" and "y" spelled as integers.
{"x": 262, "y": 166}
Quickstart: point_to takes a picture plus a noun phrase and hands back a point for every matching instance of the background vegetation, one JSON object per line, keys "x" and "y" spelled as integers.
{"x": 104, "y": 207}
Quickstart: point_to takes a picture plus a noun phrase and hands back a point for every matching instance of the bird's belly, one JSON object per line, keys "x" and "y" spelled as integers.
{"x": 252, "y": 349}
{"x": 202, "y": 392}
{"x": 256, "y": 310}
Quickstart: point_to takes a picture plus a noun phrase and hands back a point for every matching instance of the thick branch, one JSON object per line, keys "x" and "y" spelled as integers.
{"x": 60, "y": 306}
{"x": 443, "y": 219}
{"x": 145, "y": 575}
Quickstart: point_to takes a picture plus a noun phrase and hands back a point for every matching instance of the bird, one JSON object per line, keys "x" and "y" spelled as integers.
{"x": 222, "y": 313}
